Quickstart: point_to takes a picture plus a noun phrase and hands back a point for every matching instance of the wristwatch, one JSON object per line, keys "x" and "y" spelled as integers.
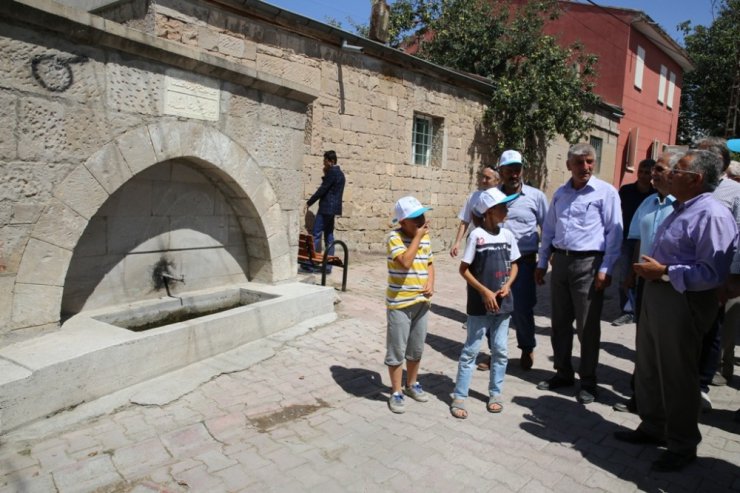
{"x": 665, "y": 277}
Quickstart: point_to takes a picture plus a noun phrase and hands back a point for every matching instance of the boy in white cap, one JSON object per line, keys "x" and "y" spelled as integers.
{"x": 410, "y": 287}
{"x": 488, "y": 265}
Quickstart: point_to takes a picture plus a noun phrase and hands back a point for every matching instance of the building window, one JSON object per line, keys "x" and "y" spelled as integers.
{"x": 661, "y": 84}
{"x": 639, "y": 66}
{"x": 671, "y": 88}
{"x": 427, "y": 146}
{"x": 598, "y": 144}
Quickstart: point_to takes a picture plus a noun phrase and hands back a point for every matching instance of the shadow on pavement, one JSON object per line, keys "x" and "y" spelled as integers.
{"x": 618, "y": 350}
{"x": 723, "y": 419}
{"x": 360, "y": 382}
{"x": 368, "y": 384}
{"x": 447, "y": 312}
{"x": 563, "y": 421}
{"x": 445, "y": 346}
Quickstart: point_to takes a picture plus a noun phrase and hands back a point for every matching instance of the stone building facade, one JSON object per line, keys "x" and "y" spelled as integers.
{"x": 186, "y": 135}
{"x": 183, "y": 135}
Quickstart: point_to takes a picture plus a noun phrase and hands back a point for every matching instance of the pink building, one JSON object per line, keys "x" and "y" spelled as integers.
{"x": 640, "y": 70}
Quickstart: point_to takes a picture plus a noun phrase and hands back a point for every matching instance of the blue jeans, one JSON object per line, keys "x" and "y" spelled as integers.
{"x": 498, "y": 325}
{"x": 525, "y": 298}
{"x": 323, "y": 225}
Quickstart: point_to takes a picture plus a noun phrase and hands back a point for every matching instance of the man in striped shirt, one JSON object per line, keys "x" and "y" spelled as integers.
{"x": 410, "y": 287}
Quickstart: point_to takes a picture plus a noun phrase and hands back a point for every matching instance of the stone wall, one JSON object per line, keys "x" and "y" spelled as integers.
{"x": 364, "y": 112}
{"x": 93, "y": 112}
{"x": 606, "y": 128}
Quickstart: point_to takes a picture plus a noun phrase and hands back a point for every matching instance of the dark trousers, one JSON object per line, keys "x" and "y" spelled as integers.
{"x": 672, "y": 326}
{"x": 711, "y": 348}
{"x": 524, "y": 292}
{"x": 323, "y": 225}
{"x": 575, "y": 299}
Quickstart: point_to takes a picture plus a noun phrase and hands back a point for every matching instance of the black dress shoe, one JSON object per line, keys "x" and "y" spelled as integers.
{"x": 586, "y": 395}
{"x": 629, "y": 407}
{"x": 671, "y": 461}
{"x": 637, "y": 437}
{"x": 555, "y": 382}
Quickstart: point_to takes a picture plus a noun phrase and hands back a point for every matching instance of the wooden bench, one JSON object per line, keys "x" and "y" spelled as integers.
{"x": 308, "y": 257}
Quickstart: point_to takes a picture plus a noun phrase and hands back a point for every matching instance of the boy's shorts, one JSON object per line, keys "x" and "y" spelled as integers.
{"x": 407, "y": 331}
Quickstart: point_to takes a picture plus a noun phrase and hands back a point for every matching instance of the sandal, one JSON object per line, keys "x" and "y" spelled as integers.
{"x": 485, "y": 363}
{"x": 457, "y": 409}
{"x": 495, "y": 405}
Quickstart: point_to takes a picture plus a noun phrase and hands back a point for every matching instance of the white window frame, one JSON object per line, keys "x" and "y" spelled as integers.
{"x": 421, "y": 151}
{"x": 639, "y": 66}
{"x": 671, "y": 89}
{"x": 598, "y": 145}
{"x": 662, "y": 84}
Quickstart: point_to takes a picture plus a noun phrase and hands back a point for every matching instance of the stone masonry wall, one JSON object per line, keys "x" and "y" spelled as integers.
{"x": 364, "y": 112}
{"x": 77, "y": 122}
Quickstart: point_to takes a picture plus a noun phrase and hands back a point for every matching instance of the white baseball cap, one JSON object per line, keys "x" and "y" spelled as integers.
{"x": 489, "y": 198}
{"x": 409, "y": 208}
{"x": 510, "y": 157}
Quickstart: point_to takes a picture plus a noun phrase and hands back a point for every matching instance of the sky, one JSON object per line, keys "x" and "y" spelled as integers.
{"x": 667, "y": 13}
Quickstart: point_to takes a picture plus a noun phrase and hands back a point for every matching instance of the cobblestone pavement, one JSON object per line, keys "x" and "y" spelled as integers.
{"x": 313, "y": 417}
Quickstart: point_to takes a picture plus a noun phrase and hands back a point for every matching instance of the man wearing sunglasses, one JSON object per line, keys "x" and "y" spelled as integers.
{"x": 689, "y": 259}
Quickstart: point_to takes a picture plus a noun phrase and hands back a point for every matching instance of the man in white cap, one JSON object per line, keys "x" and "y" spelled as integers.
{"x": 525, "y": 217}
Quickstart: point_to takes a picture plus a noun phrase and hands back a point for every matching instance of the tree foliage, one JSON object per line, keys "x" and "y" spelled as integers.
{"x": 540, "y": 88}
{"x": 715, "y": 50}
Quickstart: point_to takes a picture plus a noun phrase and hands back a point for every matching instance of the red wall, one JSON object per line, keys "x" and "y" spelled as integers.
{"x": 601, "y": 35}
{"x": 608, "y": 34}
{"x": 641, "y": 107}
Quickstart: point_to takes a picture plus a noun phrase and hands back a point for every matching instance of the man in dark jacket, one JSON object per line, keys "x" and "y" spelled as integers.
{"x": 329, "y": 196}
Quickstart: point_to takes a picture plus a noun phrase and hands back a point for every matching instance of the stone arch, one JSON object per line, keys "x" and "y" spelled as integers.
{"x": 39, "y": 285}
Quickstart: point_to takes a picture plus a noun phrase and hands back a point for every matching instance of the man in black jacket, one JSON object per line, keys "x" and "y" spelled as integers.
{"x": 329, "y": 196}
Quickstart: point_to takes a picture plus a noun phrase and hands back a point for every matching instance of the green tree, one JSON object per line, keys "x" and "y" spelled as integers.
{"x": 540, "y": 88}
{"x": 707, "y": 90}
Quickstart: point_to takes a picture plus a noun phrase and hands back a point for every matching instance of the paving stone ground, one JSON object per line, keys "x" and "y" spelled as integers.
{"x": 313, "y": 417}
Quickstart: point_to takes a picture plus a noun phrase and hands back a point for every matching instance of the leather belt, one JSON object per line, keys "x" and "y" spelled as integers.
{"x": 576, "y": 253}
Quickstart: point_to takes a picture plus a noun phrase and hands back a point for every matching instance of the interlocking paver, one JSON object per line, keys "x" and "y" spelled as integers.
{"x": 134, "y": 461}
{"x": 313, "y": 417}
{"x": 87, "y": 475}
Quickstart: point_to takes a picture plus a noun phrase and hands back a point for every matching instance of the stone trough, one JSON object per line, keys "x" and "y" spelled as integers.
{"x": 95, "y": 353}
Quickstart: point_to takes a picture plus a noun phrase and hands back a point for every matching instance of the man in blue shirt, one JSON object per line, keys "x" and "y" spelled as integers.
{"x": 525, "y": 216}
{"x": 582, "y": 234}
{"x": 329, "y": 196}
{"x": 645, "y": 222}
{"x": 689, "y": 260}
{"x": 631, "y": 196}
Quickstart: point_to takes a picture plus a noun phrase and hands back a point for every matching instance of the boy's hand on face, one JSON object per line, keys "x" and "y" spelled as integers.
{"x": 423, "y": 229}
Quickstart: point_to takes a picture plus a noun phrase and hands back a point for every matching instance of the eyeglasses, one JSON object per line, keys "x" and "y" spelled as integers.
{"x": 660, "y": 169}
{"x": 677, "y": 170}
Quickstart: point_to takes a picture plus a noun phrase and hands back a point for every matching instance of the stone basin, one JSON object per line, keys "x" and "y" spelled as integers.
{"x": 93, "y": 354}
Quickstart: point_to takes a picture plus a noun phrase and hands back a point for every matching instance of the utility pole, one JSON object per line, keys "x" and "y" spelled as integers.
{"x": 733, "y": 110}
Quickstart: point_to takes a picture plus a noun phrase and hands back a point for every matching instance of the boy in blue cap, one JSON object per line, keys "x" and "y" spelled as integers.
{"x": 410, "y": 287}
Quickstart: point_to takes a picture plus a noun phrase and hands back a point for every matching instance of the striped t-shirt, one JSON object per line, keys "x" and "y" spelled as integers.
{"x": 405, "y": 286}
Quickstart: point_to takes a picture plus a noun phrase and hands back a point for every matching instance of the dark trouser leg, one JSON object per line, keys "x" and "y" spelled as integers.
{"x": 525, "y": 298}
{"x": 669, "y": 343}
{"x": 711, "y": 347}
{"x": 562, "y": 316}
{"x": 318, "y": 231}
{"x": 588, "y": 304}
{"x": 730, "y": 326}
